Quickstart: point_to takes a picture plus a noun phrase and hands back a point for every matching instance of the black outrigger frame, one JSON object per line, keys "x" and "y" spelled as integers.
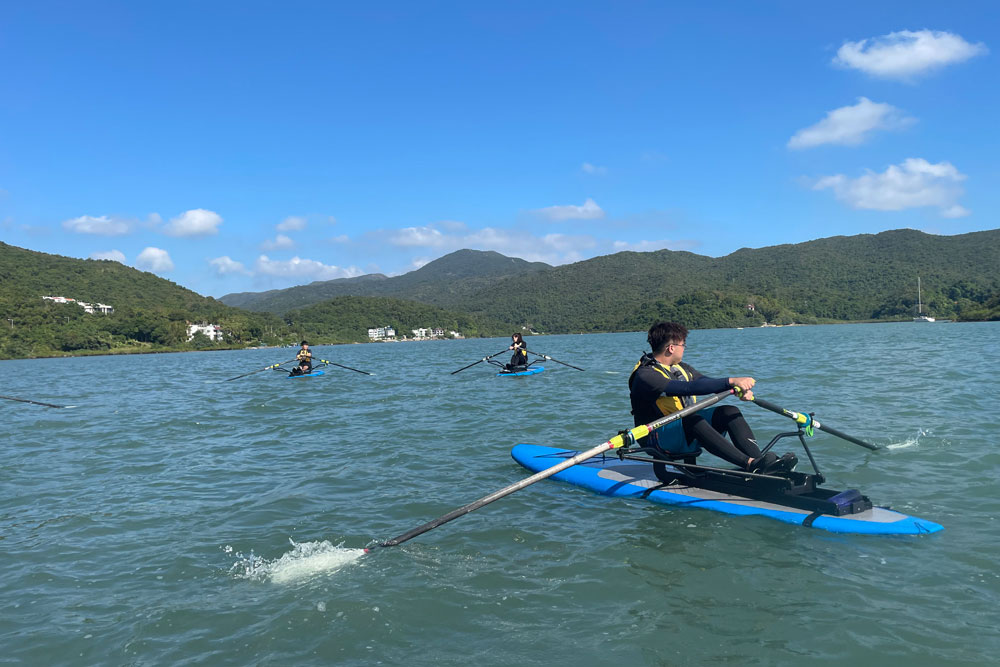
{"x": 505, "y": 370}
{"x": 791, "y": 489}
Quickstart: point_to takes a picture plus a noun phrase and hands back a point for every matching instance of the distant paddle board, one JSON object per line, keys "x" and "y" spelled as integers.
{"x": 535, "y": 370}
{"x": 307, "y": 375}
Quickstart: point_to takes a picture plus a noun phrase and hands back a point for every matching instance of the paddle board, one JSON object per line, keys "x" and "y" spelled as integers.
{"x": 610, "y": 476}
{"x": 307, "y": 375}
{"x": 534, "y": 370}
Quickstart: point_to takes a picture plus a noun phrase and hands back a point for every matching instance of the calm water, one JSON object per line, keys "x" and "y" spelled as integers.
{"x": 173, "y": 519}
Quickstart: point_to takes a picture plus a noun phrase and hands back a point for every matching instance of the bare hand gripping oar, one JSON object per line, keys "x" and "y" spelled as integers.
{"x": 620, "y": 440}
{"x": 480, "y": 361}
{"x": 347, "y": 367}
{"x": 548, "y": 358}
{"x": 266, "y": 368}
{"x": 25, "y": 400}
{"x": 808, "y": 421}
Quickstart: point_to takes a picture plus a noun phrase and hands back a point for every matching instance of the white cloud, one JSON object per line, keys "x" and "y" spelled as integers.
{"x": 422, "y": 237}
{"x": 551, "y": 248}
{"x": 297, "y": 267}
{"x": 850, "y": 126}
{"x": 588, "y": 168}
{"x": 113, "y": 255}
{"x": 905, "y": 54}
{"x": 281, "y": 242}
{"x": 342, "y": 238}
{"x": 914, "y": 183}
{"x": 291, "y": 224}
{"x": 156, "y": 260}
{"x": 224, "y": 265}
{"x": 101, "y": 225}
{"x": 588, "y": 211}
{"x": 196, "y": 222}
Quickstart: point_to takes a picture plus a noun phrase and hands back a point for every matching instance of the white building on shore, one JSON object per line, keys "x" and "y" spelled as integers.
{"x": 381, "y": 333}
{"x": 213, "y": 331}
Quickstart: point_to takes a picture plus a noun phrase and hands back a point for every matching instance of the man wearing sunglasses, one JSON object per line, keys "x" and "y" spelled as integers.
{"x": 661, "y": 384}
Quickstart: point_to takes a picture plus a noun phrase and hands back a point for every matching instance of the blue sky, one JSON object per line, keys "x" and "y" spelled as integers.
{"x": 235, "y": 146}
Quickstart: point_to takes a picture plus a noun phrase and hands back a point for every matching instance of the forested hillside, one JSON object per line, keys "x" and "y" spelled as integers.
{"x": 844, "y": 278}
{"x": 348, "y": 318}
{"x": 447, "y": 279}
{"x": 856, "y": 278}
{"x": 150, "y": 313}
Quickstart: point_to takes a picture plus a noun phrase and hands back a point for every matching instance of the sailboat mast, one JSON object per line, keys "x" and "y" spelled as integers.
{"x": 919, "y": 309}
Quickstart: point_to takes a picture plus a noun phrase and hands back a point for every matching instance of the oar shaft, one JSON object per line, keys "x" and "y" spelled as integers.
{"x": 613, "y": 443}
{"x": 260, "y": 370}
{"x": 548, "y": 358}
{"x": 801, "y": 418}
{"x": 347, "y": 367}
{"x": 478, "y": 362}
{"x": 25, "y": 400}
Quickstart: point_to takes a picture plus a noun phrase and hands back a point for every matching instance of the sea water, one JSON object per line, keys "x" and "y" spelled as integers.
{"x": 172, "y": 517}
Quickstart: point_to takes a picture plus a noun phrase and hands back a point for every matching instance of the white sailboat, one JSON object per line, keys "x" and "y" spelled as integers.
{"x": 920, "y": 311}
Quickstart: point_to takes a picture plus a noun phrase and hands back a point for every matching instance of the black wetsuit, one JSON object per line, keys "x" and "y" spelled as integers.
{"x": 520, "y": 356}
{"x": 307, "y": 356}
{"x": 656, "y": 391}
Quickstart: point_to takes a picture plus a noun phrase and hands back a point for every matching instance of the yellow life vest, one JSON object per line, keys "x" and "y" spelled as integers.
{"x": 671, "y": 404}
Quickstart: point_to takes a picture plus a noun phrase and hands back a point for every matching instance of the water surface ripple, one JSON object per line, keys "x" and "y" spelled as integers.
{"x": 171, "y": 518}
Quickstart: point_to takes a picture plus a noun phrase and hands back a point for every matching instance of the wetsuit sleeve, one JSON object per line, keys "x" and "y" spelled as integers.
{"x": 699, "y": 386}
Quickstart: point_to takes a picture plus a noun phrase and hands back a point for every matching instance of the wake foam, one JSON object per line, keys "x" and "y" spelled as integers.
{"x": 305, "y": 560}
{"x": 909, "y": 442}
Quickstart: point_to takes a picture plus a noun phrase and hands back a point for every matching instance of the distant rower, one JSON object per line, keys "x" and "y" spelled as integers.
{"x": 519, "y": 360}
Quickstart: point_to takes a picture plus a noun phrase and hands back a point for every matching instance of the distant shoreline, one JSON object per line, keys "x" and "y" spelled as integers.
{"x": 92, "y": 353}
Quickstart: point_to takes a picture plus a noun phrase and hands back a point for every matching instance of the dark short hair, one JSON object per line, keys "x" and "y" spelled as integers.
{"x": 662, "y": 334}
{"x": 305, "y": 342}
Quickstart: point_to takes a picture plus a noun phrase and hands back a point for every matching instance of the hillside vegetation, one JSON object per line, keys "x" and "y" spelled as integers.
{"x": 150, "y": 314}
{"x": 446, "y": 280}
{"x": 853, "y": 278}
{"x": 347, "y": 318}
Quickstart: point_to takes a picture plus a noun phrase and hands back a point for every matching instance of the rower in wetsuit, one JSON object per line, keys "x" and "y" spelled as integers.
{"x": 661, "y": 384}
{"x": 519, "y": 360}
{"x": 305, "y": 355}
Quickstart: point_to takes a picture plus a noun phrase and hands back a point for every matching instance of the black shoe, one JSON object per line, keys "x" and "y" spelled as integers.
{"x": 786, "y": 463}
{"x": 762, "y": 463}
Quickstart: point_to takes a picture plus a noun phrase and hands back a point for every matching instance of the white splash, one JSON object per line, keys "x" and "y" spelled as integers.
{"x": 306, "y": 559}
{"x": 909, "y": 442}
{"x": 912, "y": 442}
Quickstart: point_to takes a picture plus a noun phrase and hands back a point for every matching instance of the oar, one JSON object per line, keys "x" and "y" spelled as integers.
{"x": 480, "y": 361}
{"x": 808, "y": 420}
{"x": 25, "y": 400}
{"x": 548, "y": 358}
{"x": 619, "y": 440}
{"x": 347, "y": 367}
{"x": 266, "y": 368}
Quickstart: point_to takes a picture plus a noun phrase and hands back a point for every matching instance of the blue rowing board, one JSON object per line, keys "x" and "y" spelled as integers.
{"x": 531, "y": 371}
{"x": 610, "y": 476}
{"x": 307, "y": 375}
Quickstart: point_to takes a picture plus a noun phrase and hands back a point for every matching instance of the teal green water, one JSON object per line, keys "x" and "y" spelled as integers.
{"x": 173, "y": 519}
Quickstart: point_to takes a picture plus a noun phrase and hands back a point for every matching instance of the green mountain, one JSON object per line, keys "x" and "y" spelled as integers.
{"x": 864, "y": 277}
{"x": 150, "y": 313}
{"x": 843, "y": 278}
{"x": 447, "y": 279}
